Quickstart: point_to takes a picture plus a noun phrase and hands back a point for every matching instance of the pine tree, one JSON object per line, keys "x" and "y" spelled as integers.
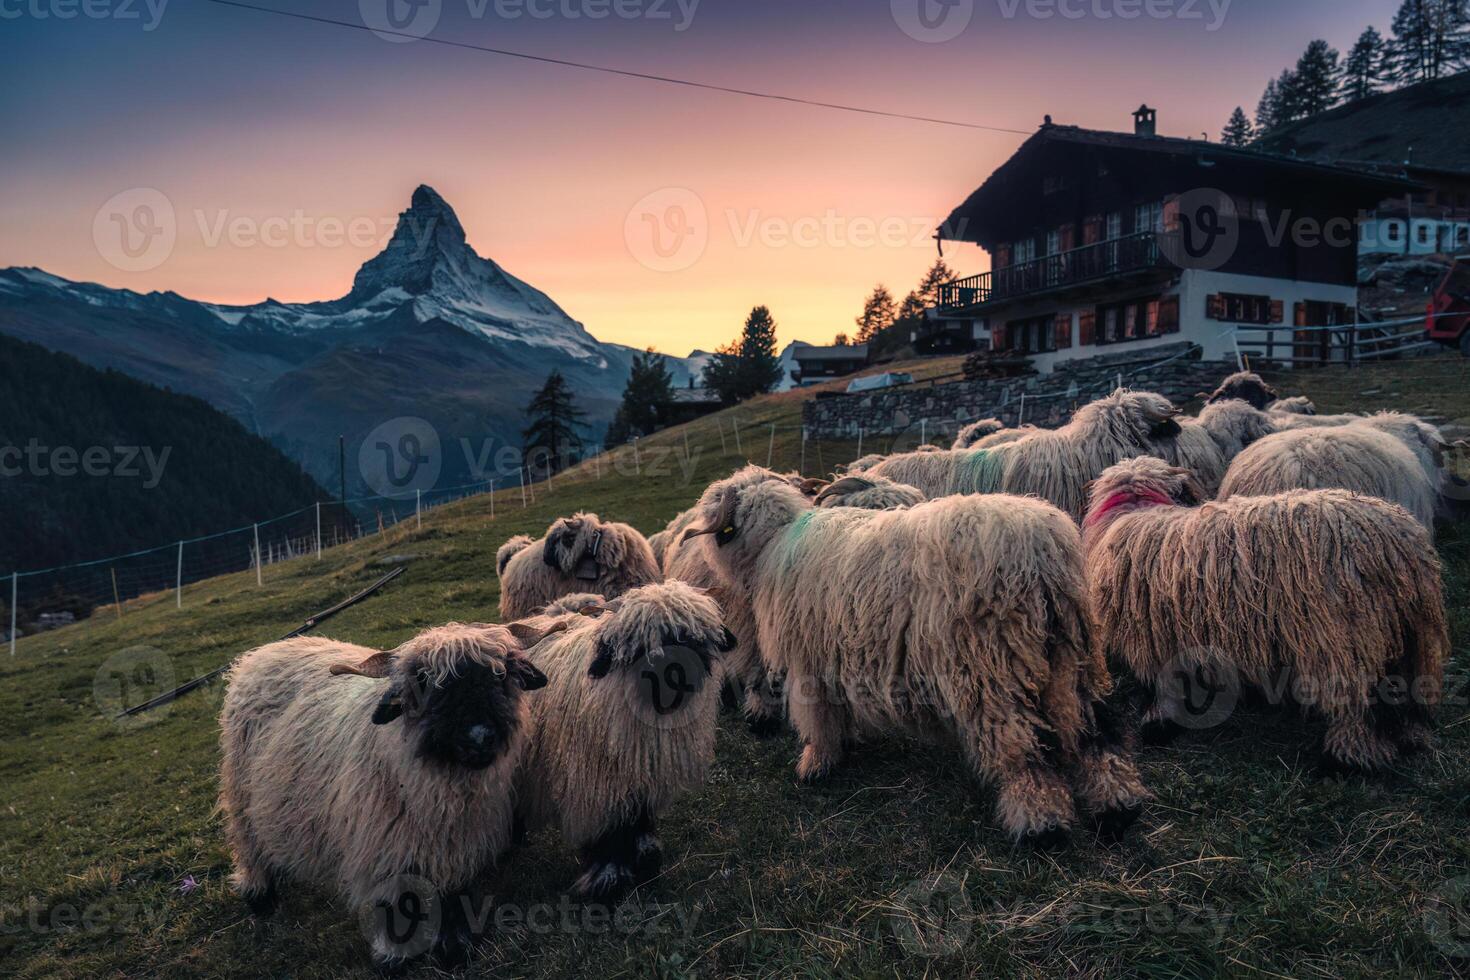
{"x": 1237, "y": 131}
{"x": 878, "y": 314}
{"x": 1363, "y": 70}
{"x": 647, "y": 398}
{"x": 552, "y": 440}
{"x": 1316, "y": 78}
{"x": 840, "y": 340}
{"x": 1431, "y": 39}
{"x": 1268, "y": 110}
{"x": 1288, "y": 98}
{"x": 749, "y": 365}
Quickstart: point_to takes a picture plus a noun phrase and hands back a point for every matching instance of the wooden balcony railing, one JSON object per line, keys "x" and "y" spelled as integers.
{"x": 1131, "y": 253}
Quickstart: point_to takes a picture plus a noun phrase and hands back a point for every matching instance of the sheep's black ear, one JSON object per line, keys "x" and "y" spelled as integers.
{"x": 390, "y": 707}
{"x": 551, "y": 550}
{"x": 525, "y": 673}
{"x": 727, "y": 640}
{"x": 602, "y": 663}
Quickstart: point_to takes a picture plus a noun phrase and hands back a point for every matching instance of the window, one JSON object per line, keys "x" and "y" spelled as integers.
{"x": 1393, "y": 231}
{"x": 1148, "y": 217}
{"x": 1240, "y": 308}
{"x": 1031, "y": 335}
{"x": 1053, "y": 242}
{"x": 1115, "y": 225}
{"x": 1133, "y": 319}
{"x": 1421, "y": 233}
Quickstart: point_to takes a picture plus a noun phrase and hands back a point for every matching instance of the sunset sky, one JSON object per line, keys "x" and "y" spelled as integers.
{"x": 557, "y": 173}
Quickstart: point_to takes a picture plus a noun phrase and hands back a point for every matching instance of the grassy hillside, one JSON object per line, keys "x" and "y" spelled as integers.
{"x": 1246, "y": 863}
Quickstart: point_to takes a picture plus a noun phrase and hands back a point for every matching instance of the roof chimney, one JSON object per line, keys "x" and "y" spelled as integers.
{"x": 1144, "y": 121}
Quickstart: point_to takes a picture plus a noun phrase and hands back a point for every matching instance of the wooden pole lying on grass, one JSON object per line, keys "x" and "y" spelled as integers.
{"x": 305, "y": 627}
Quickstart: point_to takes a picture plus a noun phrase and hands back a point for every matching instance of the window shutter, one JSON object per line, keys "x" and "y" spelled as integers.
{"x": 1171, "y": 213}
{"x": 1278, "y": 311}
{"x": 1092, "y": 229}
{"x": 1086, "y": 328}
{"x": 1002, "y": 256}
{"x": 1068, "y": 236}
{"x": 1215, "y": 306}
{"x": 1153, "y": 318}
{"x": 998, "y": 336}
{"x": 1062, "y": 330}
{"x": 1168, "y": 314}
{"x": 1299, "y": 314}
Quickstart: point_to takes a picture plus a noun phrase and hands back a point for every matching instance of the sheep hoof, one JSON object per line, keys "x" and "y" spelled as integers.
{"x": 264, "y": 902}
{"x": 1047, "y": 838}
{"x": 764, "y": 726}
{"x": 1162, "y": 731}
{"x": 1111, "y": 824}
{"x": 390, "y": 966}
{"x": 811, "y": 768}
{"x": 603, "y": 882}
{"x": 729, "y": 698}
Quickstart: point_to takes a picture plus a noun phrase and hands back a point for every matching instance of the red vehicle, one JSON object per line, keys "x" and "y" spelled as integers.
{"x": 1449, "y": 308}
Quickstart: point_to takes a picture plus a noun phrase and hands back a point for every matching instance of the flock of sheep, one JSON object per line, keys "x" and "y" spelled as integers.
{"x": 982, "y": 595}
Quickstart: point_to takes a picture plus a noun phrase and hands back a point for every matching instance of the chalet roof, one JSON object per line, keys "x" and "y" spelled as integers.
{"x": 838, "y": 352}
{"x": 992, "y": 210}
{"x": 1422, "y": 125}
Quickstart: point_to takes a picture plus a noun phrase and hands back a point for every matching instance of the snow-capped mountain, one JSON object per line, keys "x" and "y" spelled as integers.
{"x": 429, "y": 329}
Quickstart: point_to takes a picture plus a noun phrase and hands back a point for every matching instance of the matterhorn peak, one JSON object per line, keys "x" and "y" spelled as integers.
{"x": 428, "y": 237}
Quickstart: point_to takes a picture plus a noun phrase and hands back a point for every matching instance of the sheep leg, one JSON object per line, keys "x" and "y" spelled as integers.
{"x": 1353, "y": 745}
{"x": 619, "y": 859}
{"x": 253, "y": 879}
{"x": 821, "y": 720}
{"x": 764, "y": 701}
{"x": 1157, "y": 725}
{"x": 400, "y": 918}
{"x": 1104, "y": 779}
{"x": 456, "y": 932}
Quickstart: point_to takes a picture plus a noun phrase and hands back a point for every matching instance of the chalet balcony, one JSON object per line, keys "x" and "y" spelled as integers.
{"x": 1125, "y": 259}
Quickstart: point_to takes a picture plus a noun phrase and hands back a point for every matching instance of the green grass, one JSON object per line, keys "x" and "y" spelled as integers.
{"x": 1246, "y": 863}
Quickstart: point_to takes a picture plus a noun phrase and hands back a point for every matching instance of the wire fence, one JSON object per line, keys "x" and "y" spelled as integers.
{"x": 58, "y": 595}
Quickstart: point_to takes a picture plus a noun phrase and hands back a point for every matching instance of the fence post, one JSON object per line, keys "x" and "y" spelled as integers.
{"x": 801, "y": 467}
{"x": 116, "y": 597}
{"x": 686, "y": 445}
{"x": 418, "y": 509}
{"x": 721, "y": 426}
{"x": 257, "y": 556}
{"x": 492, "y": 500}
{"x": 179, "y": 575}
{"x": 597, "y": 465}
{"x": 1021, "y": 411}
{"x": 860, "y": 443}
{"x": 923, "y": 431}
{"x": 318, "y": 530}
{"x": 637, "y": 463}
{"x": 14, "y": 588}
{"x": 522, "y": 473}
{"x": 735, "y": 428}
{"x": 771, "y": 446}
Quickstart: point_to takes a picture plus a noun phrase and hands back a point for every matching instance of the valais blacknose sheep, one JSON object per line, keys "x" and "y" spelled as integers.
{"x": 1328, "y": 597}
{"x": 373, "y": 772}
{"x": 1348, "y": 457}
{"x": 1053, "y": 464}
{"x": 960, "y": 616}
{"x": 869, "y": 493}
{"x": 581, "y": 553}
{"x": 625, "y": 724}
{"x": 975, "y": 431}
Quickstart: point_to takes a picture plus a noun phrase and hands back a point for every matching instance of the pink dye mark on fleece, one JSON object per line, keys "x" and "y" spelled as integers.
{"x": 1123, "y": 498}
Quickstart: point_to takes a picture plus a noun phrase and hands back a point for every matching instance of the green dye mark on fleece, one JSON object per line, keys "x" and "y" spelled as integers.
{"x": 978, "y": 472}
{"x": 790, "y": 543}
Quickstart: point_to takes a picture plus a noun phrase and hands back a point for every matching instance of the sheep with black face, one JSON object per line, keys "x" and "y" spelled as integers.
{"x": 581, "y": 553}
{"x": 960, "y": 617}
{"x": 355, "y": 768}
{"x": 626, "y": 724}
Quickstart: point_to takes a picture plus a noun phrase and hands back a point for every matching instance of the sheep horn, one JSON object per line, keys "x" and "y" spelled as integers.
{"x": 724, "y": 517}
{"x": 375, "y": 666}
{"x": 846, "y": 485}
{"x": 812, "y": 485}
{"x": 528, "y": 635}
